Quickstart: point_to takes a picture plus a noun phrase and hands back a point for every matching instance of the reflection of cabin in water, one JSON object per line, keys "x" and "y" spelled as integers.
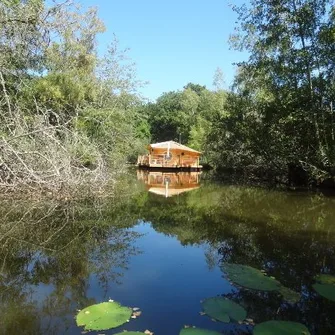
{"x": 169, "y": 184}
{"x": 170, "y": 154}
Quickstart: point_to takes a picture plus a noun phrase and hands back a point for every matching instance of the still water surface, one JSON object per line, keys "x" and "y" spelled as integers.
{"x": 158, "y": 245}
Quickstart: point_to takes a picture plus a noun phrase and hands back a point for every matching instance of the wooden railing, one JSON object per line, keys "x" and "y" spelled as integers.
{"x": 157, "y": 160}
{"x": 148, "y": 160}
{"x": 161, "y": 161}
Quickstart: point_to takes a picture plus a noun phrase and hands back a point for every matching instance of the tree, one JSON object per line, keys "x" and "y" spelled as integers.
{"x": 218, "y": 79}
{"x": 195, "y": 87}
{"x": 285, "y": 88}
{"x": 167, "y": 118}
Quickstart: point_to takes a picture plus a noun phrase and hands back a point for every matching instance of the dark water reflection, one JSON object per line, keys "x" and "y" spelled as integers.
{"x": 162, "y": 254}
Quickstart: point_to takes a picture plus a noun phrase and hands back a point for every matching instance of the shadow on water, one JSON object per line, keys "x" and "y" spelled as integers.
{"x": 161, "y": 250}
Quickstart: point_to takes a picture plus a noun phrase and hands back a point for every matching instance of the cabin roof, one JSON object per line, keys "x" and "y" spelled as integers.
{"x": 172, "y": 145}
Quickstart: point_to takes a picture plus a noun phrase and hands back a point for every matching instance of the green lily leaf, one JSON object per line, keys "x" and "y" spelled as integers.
{"x": 280, "y": 328}
{"x": 103, "y": 316}
{"x": 249, "y": 277}
{"x": 325, "y": 286}
{"x": 198, "y": 331}
{"x": 224, "y": 310}
{"x": 325, "y": 279}
{"x": 326, "y": 290}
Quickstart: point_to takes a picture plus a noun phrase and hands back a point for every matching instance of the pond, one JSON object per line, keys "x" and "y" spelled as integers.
{"x": 165, "y": 244}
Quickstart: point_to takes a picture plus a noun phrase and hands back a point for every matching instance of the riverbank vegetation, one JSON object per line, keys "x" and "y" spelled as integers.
{"x": 71, "y": 117}
{"x": 68, "y": 117}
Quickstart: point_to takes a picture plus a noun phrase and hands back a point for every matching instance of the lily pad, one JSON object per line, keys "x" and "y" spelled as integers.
{"x": 103, "y": 316}
{"x": 249, "y": 277}
{"x": 326, "y": 290}
{"x": 131, "y": 333}
{"x": 325, "y": 286}
{"x": 289, "y": 295}
{"x": 198, "y": 331}
{"x": 325, "y": 279}
{"x": 280, "y": 328}
{"x": 224, "y": 310}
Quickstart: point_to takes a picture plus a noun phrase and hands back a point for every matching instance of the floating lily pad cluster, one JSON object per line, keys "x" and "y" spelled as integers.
{"x": 111, "y": 314}
{"x": 225, "y": 310}
{"x": 251, "y": 278}
{"x": 325, "y": 286}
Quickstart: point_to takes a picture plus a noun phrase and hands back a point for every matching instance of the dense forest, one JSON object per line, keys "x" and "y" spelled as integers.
{"x": 72, "y": 117}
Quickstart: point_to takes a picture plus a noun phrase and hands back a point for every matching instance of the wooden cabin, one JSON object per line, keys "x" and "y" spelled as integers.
{"x": 170, "y": 154}
{"x": 169, "y": 184}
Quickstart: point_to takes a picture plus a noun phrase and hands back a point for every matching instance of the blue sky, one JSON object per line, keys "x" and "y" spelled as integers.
{"x": 172, "y": 42}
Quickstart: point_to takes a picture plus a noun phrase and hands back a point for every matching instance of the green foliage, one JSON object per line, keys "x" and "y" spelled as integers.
{"x": 115, "y": 131}
{"x": 63, "y": 93}
{"x": 59, "y": 92}
{"x": 280, "y": 328}
{"x": 224, "y": 310}
{"x": 198, "y": 133}
{"x": 196, "y": 88}
{"x": 103, "y": 316}
{"x": 167, "y": 119}
{"x": 185, "y": 115}
{"x": 197, "y": 331}
{"x": 280, "y": 109}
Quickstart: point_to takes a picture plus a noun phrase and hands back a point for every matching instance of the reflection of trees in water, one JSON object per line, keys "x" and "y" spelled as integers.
{"x": 212, "y": 256}
{"x": 290, "y": 235}
{"x": 58, "y": 245}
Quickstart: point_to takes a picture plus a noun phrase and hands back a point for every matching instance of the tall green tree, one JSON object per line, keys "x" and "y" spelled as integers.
{"x": 168, "y": 120}
{"x": 280, "y": 111}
